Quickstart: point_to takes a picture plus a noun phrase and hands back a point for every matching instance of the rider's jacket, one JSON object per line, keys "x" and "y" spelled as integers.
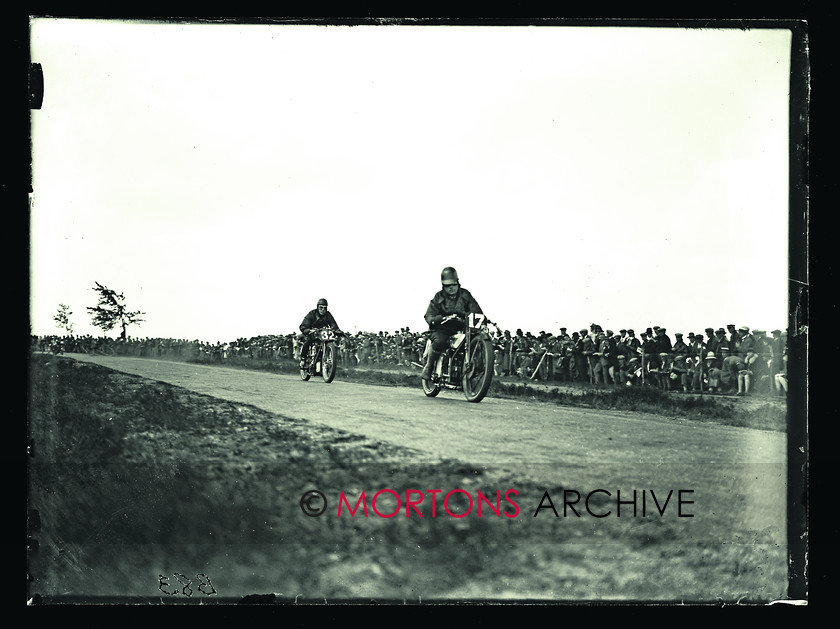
{"x": 442, "y": 305}
{"x": 314, "y": 320}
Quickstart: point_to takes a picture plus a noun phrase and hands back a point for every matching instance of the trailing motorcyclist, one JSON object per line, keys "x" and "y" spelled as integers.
{"x": 320, "y": 317}
{"x": 452, "y": 299}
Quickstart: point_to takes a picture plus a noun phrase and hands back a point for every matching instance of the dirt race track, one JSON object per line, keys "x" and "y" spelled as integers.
{"x": 536, "y": 441}
{"x": 734, "y": 479}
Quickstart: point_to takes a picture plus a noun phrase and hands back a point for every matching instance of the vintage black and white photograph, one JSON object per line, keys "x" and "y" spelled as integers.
{"x": 417, "y": 312}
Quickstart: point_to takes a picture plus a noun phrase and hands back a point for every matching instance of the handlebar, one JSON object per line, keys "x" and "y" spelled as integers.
{"x": 463, "y": 319}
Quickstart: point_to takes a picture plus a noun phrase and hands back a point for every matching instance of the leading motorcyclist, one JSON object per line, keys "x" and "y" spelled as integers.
{"x": 452, "y": 299}
{"x": 320, "y": 317}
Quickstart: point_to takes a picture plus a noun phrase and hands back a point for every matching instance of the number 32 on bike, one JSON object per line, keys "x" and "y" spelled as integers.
{"x": 323, "y": 355}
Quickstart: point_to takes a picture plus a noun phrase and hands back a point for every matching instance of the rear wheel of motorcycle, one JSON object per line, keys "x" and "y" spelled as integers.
{"x": 304, "y": 374}
{"x": 478, "y": 376}
{"x": 328, "y": 363}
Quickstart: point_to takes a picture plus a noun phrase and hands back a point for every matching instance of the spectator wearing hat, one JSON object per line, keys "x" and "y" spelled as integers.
{"x": 621, "y": 345}
{"x": 663, "y": 341}
{"x": 697, "y": 348}
{"x": 668, "y": 381}
{"x": 521, "y": 353}
{"x": 505, "y": 353}
{"x": 747, "y": 346}
{"x": 554, "y": 352}
{"x": 597, "y": 367}
{"x": 743, "y": 335}
{"x": 561, "y": 348}
{"x": 604, "y": 362}
{"x": 632, "y": 343}
{"x": 542, "y": 357}
{"x": 397, "y": 341}
{"x": 723, "y": 348}
{"x": 588, "y": 349}
{"x": 635, "y": 375}
{"x": 734, "y": 338}
{"x": 679, "y": 346}
{"x": 577, "y": 362}
{"x": 650, "y": 353}
{"x": 408, "y": 342}
{"x": 661, "y": 374}
{"x": 712, "y": 369}
{"x": 715, "y": 339}
{"x": 559, "y": 359}
{"x": 678, "y": 376}
{"x": 621, "y": 369}
{"x": 612, "y": 356}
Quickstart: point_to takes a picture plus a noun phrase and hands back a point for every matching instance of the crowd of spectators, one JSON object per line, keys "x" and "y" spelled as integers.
{"x": 731, "y": 360}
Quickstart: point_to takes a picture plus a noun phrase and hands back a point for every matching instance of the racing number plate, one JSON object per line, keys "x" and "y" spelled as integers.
{"x": 476, "y": 320}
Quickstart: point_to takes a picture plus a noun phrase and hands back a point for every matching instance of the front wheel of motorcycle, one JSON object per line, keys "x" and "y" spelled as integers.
{"x": 328, "y": 363}
{"x": 479, "y": 373}
{"x": 429, "y": 388}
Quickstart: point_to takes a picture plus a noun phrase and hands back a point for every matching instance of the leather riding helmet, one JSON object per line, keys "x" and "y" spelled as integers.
{"x": 449, "y": 276}
{"x": 322, "y": 302}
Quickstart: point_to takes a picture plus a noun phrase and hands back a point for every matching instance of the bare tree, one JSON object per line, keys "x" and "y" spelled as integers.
{"x": 112, "y": 312}
{"x": 62, "y": 318}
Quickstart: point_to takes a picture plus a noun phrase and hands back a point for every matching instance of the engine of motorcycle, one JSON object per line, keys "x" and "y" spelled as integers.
{"x": 454, "y": 370}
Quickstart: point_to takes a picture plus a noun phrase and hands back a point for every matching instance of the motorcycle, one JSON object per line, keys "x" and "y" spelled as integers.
{"x": 323, "y": 355}
{"x": 467, "y": 363}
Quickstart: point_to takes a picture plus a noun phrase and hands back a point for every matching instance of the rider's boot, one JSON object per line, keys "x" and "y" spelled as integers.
{"x": 430, "y": 364}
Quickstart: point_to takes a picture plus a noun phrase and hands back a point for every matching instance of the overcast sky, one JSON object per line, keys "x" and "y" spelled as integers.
{"x": 224, "y": 177}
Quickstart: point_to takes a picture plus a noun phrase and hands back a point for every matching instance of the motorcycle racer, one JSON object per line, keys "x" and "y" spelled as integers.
{"x": 320, "y": 317}
{"x": 452, "y": 299}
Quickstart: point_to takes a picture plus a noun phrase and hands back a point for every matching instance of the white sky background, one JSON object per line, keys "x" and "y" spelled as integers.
{"x": 630, "y": 177}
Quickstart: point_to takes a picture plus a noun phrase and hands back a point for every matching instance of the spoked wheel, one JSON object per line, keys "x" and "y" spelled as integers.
{"x": 328, "y": 363}
{"x": 479, "y": 373}
{"x": 431, "y": 389}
